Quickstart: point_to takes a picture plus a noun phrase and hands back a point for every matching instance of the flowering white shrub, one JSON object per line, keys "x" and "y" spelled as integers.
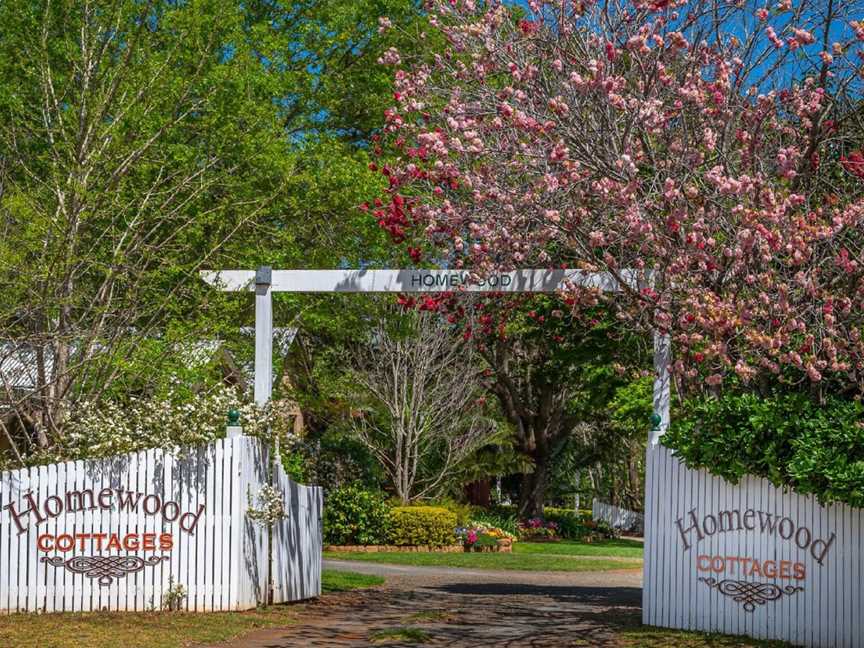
{"x": 169, "y": 422}
{"x": 271, "y": 507}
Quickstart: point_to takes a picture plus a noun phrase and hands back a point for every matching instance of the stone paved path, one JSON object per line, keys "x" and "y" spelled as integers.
{"x": 466, "y": 608}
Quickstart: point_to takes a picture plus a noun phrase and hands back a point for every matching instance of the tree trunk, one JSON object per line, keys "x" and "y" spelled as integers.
{"x": 532, "y": 494}
{"x": 479, "y": 493}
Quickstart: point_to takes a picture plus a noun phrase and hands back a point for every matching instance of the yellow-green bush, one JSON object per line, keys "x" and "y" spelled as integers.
{"x": 422, "y": 525}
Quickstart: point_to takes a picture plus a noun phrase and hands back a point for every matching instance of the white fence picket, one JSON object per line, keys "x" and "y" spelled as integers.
{"x": 828, "y": 609}
{"x": 617, "y": 517}
{"x": 223, "y": 565}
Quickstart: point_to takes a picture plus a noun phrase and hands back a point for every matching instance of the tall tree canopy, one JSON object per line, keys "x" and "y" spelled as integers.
{"x": 143, "y": 141}
{"x": 709, "y": 145}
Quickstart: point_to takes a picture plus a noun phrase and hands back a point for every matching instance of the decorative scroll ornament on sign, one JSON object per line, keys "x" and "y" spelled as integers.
{"x": 751, "y": 594}
{"x": 105, "y": 568}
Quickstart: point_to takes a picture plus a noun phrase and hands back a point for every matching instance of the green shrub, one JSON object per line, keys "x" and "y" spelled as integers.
{"x": 463, "y": 512}
{"x": 353, "y": 515}
{"x": 422, "y": 525}
{"x": 571, "y": 525}
{"x": 788, "y": 439}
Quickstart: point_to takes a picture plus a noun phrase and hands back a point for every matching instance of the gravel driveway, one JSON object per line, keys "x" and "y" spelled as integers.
{"x": 465, "y": 608}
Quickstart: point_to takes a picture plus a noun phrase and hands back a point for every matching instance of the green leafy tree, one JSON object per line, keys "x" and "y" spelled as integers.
{"x": 137, "y": 139}
{"x": 143, "y": 141}
{"x": 553, "y": 375}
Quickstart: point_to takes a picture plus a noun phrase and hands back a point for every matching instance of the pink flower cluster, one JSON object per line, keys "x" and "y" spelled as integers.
{"x": 706, "y": 166}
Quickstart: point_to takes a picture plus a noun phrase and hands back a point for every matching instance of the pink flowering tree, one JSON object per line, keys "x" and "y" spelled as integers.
{"x": 708, "y": 144}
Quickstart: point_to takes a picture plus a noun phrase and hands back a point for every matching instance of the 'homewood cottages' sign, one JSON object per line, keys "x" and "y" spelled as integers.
{"x": 750, "y": 558}
{"x": 104, "y": 568}
{"x": 732, "y": 575}
{"x": 114, "y": 534}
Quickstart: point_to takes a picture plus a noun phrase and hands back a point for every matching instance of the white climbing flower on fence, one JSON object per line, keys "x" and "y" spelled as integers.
{"x": 271, "y": 507}
{"x": 169, "y": 422}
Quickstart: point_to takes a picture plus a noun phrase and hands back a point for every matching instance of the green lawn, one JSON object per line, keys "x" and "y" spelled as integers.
{"x": 550, "y": 556}
{"x": 343, "y": 581}
{"x": 618, "y": 548}
{"x": 156, "y": 629}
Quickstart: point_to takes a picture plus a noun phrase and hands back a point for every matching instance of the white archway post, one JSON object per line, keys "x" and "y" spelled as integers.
{"x": 265, "y": 281}
{"x": 263, "y": 335}
{"x": 662, "y": 387}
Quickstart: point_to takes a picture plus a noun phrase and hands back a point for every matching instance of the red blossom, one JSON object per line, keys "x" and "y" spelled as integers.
{"x": 854, "y": 164}
{"x": 528, "y": 26}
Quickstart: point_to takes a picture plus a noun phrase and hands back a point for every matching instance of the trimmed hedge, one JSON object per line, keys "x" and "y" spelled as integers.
{"x": 422, "y": 525}
{"x": 787, "y": 438}
{"x": 355, "y": 516}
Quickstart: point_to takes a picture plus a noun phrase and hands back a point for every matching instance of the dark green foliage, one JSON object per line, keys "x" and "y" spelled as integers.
{"x": 353, "y": 515}
{"x": 788, "y": 439}
{"x": 422, "y": 525}
{"x": 333, "y": 458}
{"x": 571, "y": 526}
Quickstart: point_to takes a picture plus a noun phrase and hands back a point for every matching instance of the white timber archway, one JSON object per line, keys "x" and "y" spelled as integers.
{"x": 265, "y": 281}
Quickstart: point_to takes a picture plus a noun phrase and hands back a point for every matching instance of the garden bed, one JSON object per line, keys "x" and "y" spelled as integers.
{"x": 503, "y": 546}
{"x": 394, "y": 548}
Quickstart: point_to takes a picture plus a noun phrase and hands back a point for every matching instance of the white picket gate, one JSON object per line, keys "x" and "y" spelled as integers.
{"x": 112, "y": 534}
{"x": 704, "y": 538}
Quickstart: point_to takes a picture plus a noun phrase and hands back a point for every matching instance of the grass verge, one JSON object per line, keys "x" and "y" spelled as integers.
{"x": 402, "y": 635}
{"x": 157, "y": 629}
{"x": 647, "y": 637}
{"x": 344, "y": 581}
{"x": 619, "y": 548}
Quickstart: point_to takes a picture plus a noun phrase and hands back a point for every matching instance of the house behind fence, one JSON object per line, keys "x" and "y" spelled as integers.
{"x": 116, "y": 534}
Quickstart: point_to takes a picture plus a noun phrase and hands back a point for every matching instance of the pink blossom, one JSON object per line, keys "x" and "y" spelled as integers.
{"x": 663, "y": 160}
{"x": 390, "y": 57}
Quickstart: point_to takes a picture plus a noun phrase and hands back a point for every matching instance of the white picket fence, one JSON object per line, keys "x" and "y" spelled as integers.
{"x": 188, "y": 526}
{"x": 617, "y": 517}
{"x": 704, "y": 536}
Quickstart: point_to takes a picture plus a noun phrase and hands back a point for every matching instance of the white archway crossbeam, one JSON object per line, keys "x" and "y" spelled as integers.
{"x": 408, "y": 281}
